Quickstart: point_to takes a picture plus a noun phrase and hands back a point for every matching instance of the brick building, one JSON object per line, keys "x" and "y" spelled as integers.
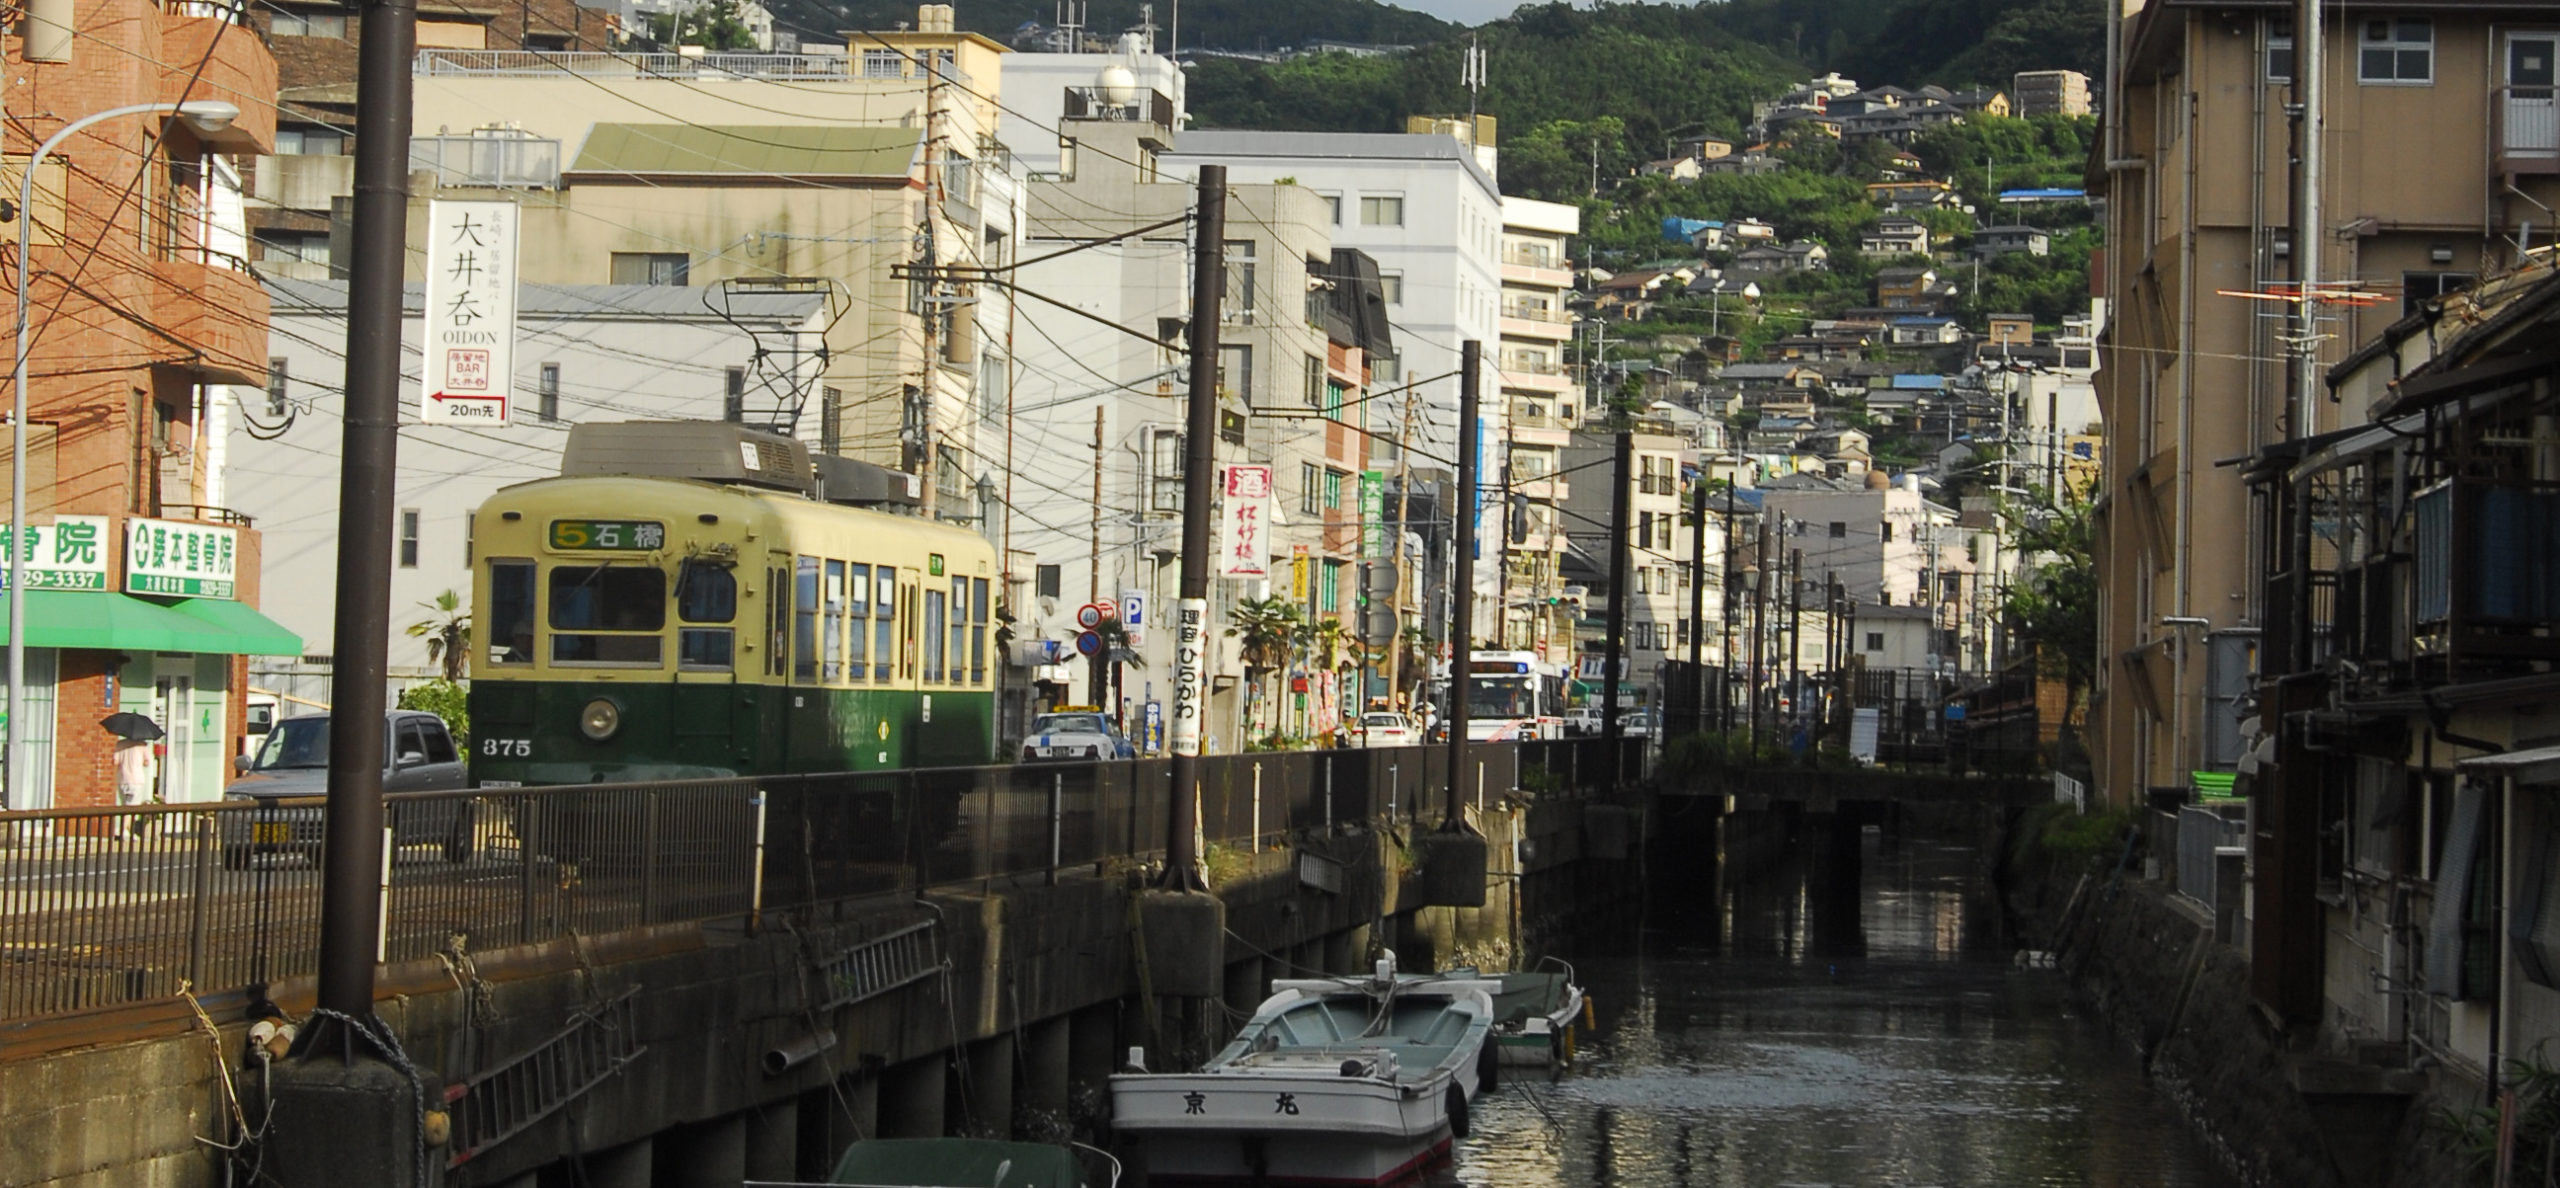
{"x": 293, "y": 191}
{"x": 144, "y": 318}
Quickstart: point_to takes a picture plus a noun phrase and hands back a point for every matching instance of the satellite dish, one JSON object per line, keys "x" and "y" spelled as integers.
{"x": 1118, "y": 85}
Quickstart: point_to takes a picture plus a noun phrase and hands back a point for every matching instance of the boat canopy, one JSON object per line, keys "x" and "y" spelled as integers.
{"x": 957, "y": 1163}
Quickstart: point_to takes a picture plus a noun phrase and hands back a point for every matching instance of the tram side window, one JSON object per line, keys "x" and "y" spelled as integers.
{"x": 592, "y": 606}
{"x": 977, "y": 631}
{"x": 858, "y": 610}
{"x": 884, "y": 640}
{"x": 833, "y": 648}
{"x": 959, "y": 628}
{"x": 933, "y": 615}
{"x": 706, "y": 593}
{"x": 804, "y": 622}
{"x": 510, "y": 612}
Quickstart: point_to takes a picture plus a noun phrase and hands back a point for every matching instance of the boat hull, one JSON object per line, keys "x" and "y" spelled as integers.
{"x": 1213, "y": 1128}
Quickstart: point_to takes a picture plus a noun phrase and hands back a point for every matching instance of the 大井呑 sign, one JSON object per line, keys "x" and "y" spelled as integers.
{"x": 471, "y": 313}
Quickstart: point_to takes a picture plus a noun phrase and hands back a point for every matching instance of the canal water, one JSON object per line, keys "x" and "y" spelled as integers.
{"x": 1755, "y": 1028}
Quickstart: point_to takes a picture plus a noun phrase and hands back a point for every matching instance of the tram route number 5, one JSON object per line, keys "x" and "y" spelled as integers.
{"x": 507, "y": 748}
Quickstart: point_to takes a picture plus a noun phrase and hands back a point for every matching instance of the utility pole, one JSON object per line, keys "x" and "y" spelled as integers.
{"x": 1698, "y": 602}
{"x": 1462, "y": 581}
{"x": 1725, "y": 613}
{"x": 1795, "y": 633}
{"x": 1093, "y": 564}
{"x": 1191, "y": 620}
{"x": 1614, "y": 646}
{"x": 1759, "y": 622}
{"x": 1395, "y": 553}
{"x": 2310, "y": 89}
{"x": 351, "y": 852}
{"x": 1185, "y": 926}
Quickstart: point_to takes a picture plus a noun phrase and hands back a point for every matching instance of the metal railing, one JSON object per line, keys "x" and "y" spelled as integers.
{"x": 497, "y": 162}
{"x": 2204, "y": 838}
{"x": 1537, "y": 313}
{"x": 1534, "y": 258}
{"x": 101, "y": 907}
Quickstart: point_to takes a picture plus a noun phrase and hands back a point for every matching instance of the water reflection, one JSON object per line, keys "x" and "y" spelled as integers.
{"x": 1843, "y": 1016}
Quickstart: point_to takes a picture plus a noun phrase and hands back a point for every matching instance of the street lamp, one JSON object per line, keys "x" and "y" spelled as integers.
{"x": 205, "y": 116}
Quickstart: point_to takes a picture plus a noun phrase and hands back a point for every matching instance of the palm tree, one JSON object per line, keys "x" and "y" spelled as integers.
{"x": 1268, "y": 628}
{"x": 449, "y": 637}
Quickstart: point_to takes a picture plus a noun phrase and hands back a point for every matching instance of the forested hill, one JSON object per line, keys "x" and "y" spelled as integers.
{"x": 1627, "y": 80}
{"x": 1221, "y": 24}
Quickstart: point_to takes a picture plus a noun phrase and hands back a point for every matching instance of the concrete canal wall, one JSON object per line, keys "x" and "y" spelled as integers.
{"x": 2278, "y": 1107}
{"x": 715, "y": 1057}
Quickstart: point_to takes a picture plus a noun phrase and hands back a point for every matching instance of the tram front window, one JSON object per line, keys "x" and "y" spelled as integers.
{"x": 589, "y": 600}
{"x": 706, "y": 593}
{"x": 510, "y": 614}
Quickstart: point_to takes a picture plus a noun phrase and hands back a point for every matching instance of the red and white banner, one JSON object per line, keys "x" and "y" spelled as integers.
{"x": 1244, "y": 523}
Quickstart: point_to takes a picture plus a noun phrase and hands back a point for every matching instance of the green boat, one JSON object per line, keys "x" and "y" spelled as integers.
{"x": 958, "y": 1163}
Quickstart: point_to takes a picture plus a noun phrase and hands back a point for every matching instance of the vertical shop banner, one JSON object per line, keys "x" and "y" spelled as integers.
{"x": 1374, "y": 528}
{"x": 1244, "y": 523}
{"x": 471, "y": 313}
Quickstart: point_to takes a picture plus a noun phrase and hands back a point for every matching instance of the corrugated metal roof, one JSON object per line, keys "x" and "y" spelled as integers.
{"x": 647, "y": 302}
{"x": 747, "y": 149}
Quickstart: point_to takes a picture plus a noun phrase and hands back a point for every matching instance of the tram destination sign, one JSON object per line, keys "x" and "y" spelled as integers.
{"x": 635, "y": 536}
{"x": 176, "y": 559}
{"x": 470, "y": 341}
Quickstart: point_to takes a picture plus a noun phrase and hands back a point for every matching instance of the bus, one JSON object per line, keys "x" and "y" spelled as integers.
{"x": 713, "y": 615}
{"x": 1513, "y": 696}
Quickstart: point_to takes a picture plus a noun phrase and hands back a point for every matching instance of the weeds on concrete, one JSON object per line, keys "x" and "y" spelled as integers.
{"x": 2060, "y": 838}
{"x": 2473, "y": 1132}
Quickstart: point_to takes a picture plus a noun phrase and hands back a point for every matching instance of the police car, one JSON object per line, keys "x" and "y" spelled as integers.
{"x": 1075, "y": 732}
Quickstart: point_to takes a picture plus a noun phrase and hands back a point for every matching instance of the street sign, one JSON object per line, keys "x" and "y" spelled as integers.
{"x": 1377, "y": 578}
{"x": 1088, "y": 644}
{"x": 1095, "y": 614}
{"x": 1377, "y": 626}
{"x": 1373, "y": 513}
{"x": 470, "y": 339}
{"x": 1133, "y": 608}
{"x": 1190, "y": 672}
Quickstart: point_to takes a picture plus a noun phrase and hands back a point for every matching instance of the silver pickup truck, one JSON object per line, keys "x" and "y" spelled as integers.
{"x": 289, "y": 774}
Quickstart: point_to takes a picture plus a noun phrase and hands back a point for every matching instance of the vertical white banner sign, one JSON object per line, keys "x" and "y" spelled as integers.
{"x": 1190, "y": 673}
{"x": 470, "y": 341}
{"x": 1244, "y": 523}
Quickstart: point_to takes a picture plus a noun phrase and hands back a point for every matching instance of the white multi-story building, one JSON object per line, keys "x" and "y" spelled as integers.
{"x": 583, "y": 353}
{"x": 1659, "y": 544}
{"x": 1430, "y": 214}
{"x": 1539, "y": 405}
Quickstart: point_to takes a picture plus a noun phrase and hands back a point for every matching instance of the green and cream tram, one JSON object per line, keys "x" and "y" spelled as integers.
{"x": 717, "y": 619}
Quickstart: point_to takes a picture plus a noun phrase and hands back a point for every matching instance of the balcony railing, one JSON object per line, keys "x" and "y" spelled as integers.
{"x": 1534, "y": 313}
{"x": 497, "y": 162}
{"x": 2487, "y": 577}
{"x": 2528, "y": 122}
{"x": 1534, "y": 258}
{"x": 1090, "y": 103}
{"x": 1529, "y": 366}
{"x": 454, "y": 63}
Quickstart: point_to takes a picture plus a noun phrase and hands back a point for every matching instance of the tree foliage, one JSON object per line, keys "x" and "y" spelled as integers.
{"x": 448, "y": 634}
{"x": 449, "y": 700}
{"x": 713, "y": 25}
{"x": 2054, "y": 605}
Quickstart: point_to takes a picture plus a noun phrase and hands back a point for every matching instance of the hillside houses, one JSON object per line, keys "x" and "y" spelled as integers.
{"x": 1913, "y": 290}
{"x": 1803, "y": 255}
{"x": 1895, "y": 235}
{"x": 2000, "y": 241}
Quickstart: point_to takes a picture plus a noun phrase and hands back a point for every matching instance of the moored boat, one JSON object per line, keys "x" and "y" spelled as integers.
{"x": 1533, "y": 1015}
{"x": 1354, "y": 1080}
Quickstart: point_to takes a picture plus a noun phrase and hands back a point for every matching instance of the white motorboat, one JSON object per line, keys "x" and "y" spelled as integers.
{"x": 1333, "y": 1081}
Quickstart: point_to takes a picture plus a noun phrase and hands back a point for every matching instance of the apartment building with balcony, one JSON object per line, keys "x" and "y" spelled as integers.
{"x": 2050, "y": 92}
{"x": 147, "y": 329}
{"x": 2436, "y": 163}
{"x": 1541, "y": 408}
{"x": 868, "y": 176}
{"x": 1096, "y": 429}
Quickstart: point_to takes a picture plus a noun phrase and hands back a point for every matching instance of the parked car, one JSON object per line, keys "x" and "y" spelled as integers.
{"x": 1082, "y": 734}
{"x": 1383, "y": 729}
{"x": 289, "y": 772}
{"x": 1582, "y": 721}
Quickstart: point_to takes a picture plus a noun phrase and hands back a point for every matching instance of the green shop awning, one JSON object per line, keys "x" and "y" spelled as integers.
{"x": 248, "y": 632}
{"x": 107, "y": 620}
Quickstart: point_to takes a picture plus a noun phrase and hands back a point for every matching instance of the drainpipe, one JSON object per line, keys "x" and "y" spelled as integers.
{"x": 2183, "y": 595}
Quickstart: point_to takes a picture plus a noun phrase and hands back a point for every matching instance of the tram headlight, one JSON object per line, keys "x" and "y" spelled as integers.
{"x": 600, "y": 719}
